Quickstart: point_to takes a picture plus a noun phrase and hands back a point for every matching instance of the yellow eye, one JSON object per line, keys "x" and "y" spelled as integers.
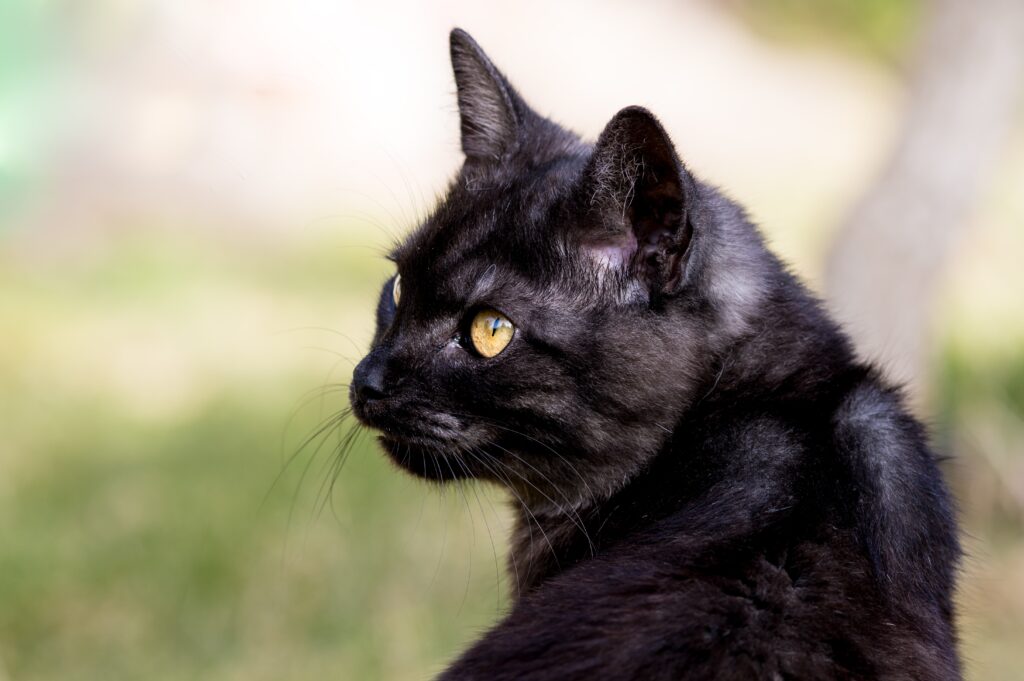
{"x": 491, "y": 332}
{"x": 396, "y": 290}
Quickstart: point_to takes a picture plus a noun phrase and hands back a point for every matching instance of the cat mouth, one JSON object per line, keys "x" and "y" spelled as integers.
{"x": 428, "y": 444}
{"x": 406, "y": 425}
{"x": 426, "y": 439}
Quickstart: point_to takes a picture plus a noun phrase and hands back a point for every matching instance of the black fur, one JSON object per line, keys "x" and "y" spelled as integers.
{"x": 709, "y": 484}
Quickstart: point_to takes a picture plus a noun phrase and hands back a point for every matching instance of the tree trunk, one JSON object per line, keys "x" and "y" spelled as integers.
{"x": 887, "y": 260}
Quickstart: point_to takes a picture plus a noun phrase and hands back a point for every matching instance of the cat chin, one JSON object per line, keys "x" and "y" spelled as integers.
{"x": 425, "y": 458}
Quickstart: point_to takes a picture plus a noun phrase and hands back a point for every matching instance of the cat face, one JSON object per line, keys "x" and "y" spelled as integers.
{"x": 546, "y": 326}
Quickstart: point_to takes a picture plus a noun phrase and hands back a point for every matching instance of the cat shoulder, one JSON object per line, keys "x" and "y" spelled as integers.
{"x": 904, "y": 512}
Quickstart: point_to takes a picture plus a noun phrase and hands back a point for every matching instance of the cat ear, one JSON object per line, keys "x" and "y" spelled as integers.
{"x": 637, "y": 193}
{"x": 490, "y": 111}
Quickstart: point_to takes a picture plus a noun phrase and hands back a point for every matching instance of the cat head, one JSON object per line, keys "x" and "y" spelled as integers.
{"x": 552, "y": 319}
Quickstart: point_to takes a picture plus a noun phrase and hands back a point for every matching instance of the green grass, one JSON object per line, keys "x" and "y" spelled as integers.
{"x": 169, "y": 552}
{"x": 145, "y": 537}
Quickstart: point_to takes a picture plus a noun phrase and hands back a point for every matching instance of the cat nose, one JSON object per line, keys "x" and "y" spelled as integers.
{"x": 368, "y": 379}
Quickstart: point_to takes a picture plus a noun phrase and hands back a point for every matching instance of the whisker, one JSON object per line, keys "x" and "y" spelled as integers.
{"x": 487, "y": 526}
{"x": 345, "y": 358}
{"x": 335, "y": 424}
{"x": 417, "y": 201}
{"x": 512, "y": 558}
{"x": 323, "y": 426}
{"x": 336, "y": 462}
{"x": 472, "y": 524}
{"x": 385, "y": 228}
{"x": 326, "y": 329}
{"x": 444, "y": 536}
{"x": 511, "y": 488}
{"x": 394, "y": 199}
{"x": 563, "y": 459}
{"x": 547, "y": 447}
{"x": 569, "y": 512}
{"x": 342, "y": 457}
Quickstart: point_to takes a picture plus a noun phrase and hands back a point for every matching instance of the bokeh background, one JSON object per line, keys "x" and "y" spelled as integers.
{"x": 194, "y": 199}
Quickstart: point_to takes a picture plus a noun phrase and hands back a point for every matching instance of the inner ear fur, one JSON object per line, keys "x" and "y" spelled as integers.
{"x": 638, "y": 195}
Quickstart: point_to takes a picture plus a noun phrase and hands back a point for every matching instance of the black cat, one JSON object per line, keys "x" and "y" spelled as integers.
{"x": 710, "y": 484}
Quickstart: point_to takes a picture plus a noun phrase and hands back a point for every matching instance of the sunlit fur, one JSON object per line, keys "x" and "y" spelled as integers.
{"x": 708, "y": 483}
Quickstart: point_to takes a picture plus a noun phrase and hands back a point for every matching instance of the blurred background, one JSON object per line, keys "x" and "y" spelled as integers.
{"x": 194, "y": 200}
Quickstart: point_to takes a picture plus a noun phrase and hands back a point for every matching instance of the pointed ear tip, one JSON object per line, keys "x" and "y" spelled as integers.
{"x": 637, "y": 119}
{"x": 459, "y": 39}
{"x": 636, "y": 113}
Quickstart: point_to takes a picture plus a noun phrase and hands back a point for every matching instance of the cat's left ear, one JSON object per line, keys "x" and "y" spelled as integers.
{"x": 490, "y": 110}
{"x": 637, "y": 194}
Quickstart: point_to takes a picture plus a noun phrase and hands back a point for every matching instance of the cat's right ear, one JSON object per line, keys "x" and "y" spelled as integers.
{"x": 637, "y": 196}
{"x": 490, "y": 111}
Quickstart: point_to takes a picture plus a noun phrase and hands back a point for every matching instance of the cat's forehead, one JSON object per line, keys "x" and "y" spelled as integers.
{"x": 469, "y": 271}
{"x": 491, "y": 222}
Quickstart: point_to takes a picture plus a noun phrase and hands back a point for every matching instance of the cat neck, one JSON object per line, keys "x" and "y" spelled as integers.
{"x": 803, "y": 366}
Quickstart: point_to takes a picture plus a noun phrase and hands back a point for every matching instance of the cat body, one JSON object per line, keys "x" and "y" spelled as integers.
{"x": 708, "y": 483}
